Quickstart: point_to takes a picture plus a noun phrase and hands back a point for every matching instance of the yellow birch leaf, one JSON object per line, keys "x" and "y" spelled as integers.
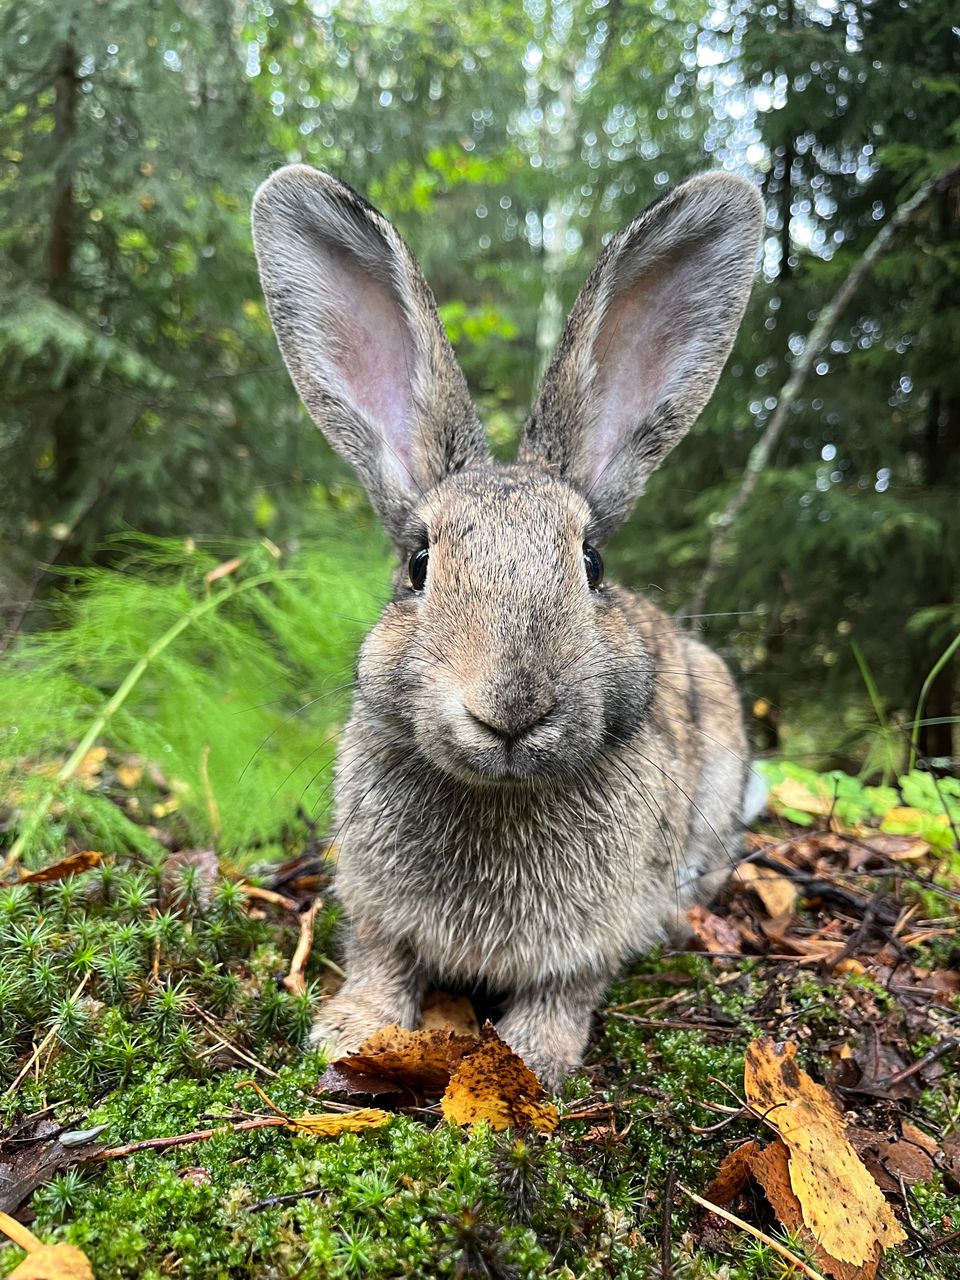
{"x": 902, "y": 819}
{"x": 54, "y": 1262}
{"x": 841, "y": 1203}
{"x": 332, "y": 1125}
{"x": 163, "y": 808}
{"x": 493, "y": 1085}
{"x": 791, "y": 794}
{"x": 329, "y": 1125}
{"x": 129, "y": 775}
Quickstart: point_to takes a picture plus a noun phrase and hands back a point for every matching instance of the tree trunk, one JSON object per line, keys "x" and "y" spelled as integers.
{"x": 60, "y": 240}
{"x": 941, "y": 449}
{"x": 59, "y": 266}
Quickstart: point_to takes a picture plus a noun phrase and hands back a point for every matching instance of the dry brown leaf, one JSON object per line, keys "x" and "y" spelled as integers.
{"x": 771, "y": 1168}
{"x": 393, "y": 1060}
{"x": 892, "y": 1158}
{"x": 324, "y": 1126}
{"x": 441, "y": 1010}
{"x": 912, "y": 1134}
{"x": 942, "y": 985}
{"x": 777, "y": 893}
{"x": 45, "y": 1261}
{"x": 72, "y": 865}
{"x": 731, "y": 1177}
{"x": 718, "y": 937}
{"x": 898, "y": 848}
{"x": 841, "y": 1203}
{"x": 949, "y": 1161}
{"x": 493, "y": 1085}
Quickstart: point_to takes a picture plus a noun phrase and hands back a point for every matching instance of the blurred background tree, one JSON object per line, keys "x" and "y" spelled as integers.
{"x": 141, "y": 386}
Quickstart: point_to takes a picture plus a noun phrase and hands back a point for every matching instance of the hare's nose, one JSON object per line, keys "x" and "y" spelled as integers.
{"x": 512, "y": 731}
{"x": 512, "y": 707}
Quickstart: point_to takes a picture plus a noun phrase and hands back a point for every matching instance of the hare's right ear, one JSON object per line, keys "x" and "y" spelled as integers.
{"x": 360, "y": 334}
{"x": 645, "y": 343}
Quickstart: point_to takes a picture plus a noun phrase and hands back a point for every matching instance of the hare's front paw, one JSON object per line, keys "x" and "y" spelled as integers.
{"x": 345, "y": 1021}
{"x": 551, "y": 1058}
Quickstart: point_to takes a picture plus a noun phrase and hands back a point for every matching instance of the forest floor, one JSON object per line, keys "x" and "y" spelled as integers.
{"x": 139, "y": 994}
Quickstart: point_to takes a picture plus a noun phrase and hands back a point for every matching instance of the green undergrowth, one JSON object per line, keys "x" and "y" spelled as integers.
{"x": 135, "y": 1050}
{"x": 143, "y": 991}
{"x": 245, "y": 678}
{"x": 921, "y": 804}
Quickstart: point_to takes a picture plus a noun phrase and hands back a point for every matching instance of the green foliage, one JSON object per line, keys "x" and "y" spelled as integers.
{"x": 233, "y": 719}
{"x": 921, "y": 804}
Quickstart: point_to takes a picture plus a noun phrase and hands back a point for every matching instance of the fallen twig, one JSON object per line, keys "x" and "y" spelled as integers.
{"x": 182, "y": 1139}
{"x": 754, "y": 1231}
{"x": 862, "y": 931}
{"x": 666, "y": 1232}
{"x": 288, "y": 1197}
{"x": 295, "y": 980}
{"x": 223, "y": 1043}
{"x": 938, "y": 1051}
{"x": 674, "y": 1023}
{"x": 268, "y": 895}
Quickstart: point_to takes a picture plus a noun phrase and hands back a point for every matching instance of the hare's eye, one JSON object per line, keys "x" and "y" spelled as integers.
{"x": 417, "y": 568}
{"x": 593, "y": 563}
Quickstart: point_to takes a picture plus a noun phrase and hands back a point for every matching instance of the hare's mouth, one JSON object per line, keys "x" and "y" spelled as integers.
{"x": 481, "y": 750}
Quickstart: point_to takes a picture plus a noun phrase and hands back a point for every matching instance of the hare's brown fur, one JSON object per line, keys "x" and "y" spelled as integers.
{"x": 541, "y": 773}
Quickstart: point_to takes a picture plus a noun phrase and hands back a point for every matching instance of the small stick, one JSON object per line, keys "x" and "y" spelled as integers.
{"x": 288, "y": 1197}
{"x": 267, "y": 895}
{"x": 666, "y": 1232}
{"x": 754, "y": 1231}
{"x": 228, "y": 1044}
{"x": 44, "y": 1043}
{"x": 938, "y": 1051}
{"x": 862, "y": 931}
{"x": 674, "y": 1024}
{"x": 181, "y": 1139}
{"x": 295, "y": 981}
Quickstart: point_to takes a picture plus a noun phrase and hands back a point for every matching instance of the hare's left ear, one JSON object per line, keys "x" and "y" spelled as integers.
{"x": 645, "y": 342}
{"x": 359, "y": 331}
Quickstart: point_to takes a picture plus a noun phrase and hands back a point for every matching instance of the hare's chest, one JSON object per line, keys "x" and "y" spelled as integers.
{"x": 493, "y": 894}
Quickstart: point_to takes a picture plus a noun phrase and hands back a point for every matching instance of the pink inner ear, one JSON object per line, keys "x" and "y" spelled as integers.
{"x": 644, "y": 343}
{"x": 371, "y": 353}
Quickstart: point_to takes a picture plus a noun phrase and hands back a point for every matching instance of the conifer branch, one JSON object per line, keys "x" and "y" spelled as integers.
{"x": 131, "y": 680}
{"x": 762, "y": 451}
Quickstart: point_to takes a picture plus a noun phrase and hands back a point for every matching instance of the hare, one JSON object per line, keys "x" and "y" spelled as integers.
{"x": 541, "y": 773}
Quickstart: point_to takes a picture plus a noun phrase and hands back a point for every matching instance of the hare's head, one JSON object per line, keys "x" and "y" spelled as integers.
{"x": 503, "y": 654}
